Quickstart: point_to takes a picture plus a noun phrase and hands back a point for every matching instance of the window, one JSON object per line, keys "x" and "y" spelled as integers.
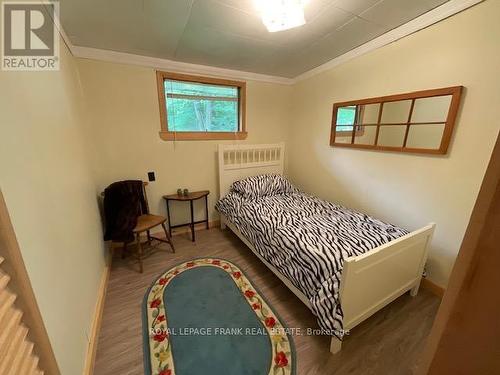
{"x": 200, "y": 108}
{"x": 347, "y": 117}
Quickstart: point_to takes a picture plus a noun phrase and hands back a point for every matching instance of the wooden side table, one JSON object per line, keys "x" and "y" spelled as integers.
{"x": 191, "y": 197}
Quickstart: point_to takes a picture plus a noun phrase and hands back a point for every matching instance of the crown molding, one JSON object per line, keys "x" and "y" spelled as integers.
{"x": 427, "y": 19}
{"x": 174, "y": 66}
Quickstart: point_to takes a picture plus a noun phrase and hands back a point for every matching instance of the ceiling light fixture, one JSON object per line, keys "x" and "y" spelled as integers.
{"x": 278, "y": 15}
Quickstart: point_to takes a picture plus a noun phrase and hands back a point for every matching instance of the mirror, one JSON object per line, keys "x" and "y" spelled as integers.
{"x": 366, "y": 136}
{"x": 369, "y": 113}
{"x": 391, "y": 136}
{"x": 425, "y": 136}
{"x": 396, "y": 112}
{"x": 418, "y": 122}
{"x": 431, "y": 109}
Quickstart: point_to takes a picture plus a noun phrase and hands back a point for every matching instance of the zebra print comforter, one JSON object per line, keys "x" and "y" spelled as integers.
{"x": 307, "y": 240}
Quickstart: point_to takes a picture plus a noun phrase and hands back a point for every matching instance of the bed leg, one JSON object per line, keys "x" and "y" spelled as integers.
{"x": 223, "y": 225}
{"x": 335, "y": 345}
{"x": 414, "y": 290}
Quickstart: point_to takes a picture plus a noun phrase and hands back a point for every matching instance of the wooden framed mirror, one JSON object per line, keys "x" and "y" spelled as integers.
{"x": 416, "y": 122}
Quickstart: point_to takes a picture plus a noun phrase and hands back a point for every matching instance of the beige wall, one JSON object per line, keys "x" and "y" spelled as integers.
{"x": 409, "y": 190}
{"x": 50, "y": 194}
{"x": 125, "y": 122}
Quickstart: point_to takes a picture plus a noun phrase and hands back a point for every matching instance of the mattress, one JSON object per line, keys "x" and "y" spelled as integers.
{"x": 307, "y": 239}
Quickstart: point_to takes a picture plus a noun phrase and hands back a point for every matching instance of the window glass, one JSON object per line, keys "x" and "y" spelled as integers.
{"x": 198, "y": 107}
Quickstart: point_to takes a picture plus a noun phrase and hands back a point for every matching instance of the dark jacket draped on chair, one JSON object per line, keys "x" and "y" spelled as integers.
{"x": 124, "y": 202}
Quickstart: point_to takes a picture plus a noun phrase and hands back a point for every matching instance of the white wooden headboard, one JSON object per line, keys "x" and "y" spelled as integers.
{"x": 239, "y": 161}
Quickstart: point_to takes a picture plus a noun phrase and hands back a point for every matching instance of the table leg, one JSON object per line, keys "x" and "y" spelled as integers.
{"x": 206, "y": 209}
{"x": 192, "y": 220}
{"x": 168, "y": 217}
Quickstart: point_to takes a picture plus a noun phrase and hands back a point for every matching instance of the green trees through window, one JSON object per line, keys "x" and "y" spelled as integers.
{"x": 199, "y": 107}
{"x": 346, "y": 117}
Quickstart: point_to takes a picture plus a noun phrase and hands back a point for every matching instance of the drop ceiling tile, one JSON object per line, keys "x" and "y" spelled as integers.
{"x": 356, "y": 6}
{"x": 126, "y": 25}
{"x": 303, "y": 36}
{"x": 314, "y": 8}
{"x": 212, "y": 47}
{"x": 272, "y": 64}
{"x": 330, "y": 19}
{"x": 396, "y": 12}
{"x": 354, "y": 33}
{"x": 156, "y": 31}
{"x": 211, "y": 13}
{"x": 215, "y": 15}
{"x": 83, "y": 24}
{"x": 246, "y": 6}
{"x": 321, "y": 19}
{"x": 326, "y": 21}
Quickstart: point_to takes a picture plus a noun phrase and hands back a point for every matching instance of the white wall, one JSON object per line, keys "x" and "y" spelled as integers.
{"x": 50, "y": 193}
{"x": 408, "y": 190}
{"x": 125, "y": 122}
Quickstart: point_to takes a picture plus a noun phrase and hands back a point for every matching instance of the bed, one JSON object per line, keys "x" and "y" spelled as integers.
{"x": 340, "y": 263}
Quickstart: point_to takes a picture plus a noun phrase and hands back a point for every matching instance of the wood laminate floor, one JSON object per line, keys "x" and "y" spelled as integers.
{"x": 389, "y": 342}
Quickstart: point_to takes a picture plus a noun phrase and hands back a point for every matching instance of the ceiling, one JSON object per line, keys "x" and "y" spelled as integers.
{"x": 230, "y": 34}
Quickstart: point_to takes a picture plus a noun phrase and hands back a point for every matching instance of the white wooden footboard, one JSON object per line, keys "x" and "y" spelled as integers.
{"x": 376, "y": 278}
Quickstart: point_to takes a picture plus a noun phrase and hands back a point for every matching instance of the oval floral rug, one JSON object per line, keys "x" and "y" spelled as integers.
{"x": 205, "y": 317}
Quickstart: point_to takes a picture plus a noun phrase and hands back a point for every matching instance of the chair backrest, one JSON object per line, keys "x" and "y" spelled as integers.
{"x": 144, "y": 184}
{"x": 123, "y": 202}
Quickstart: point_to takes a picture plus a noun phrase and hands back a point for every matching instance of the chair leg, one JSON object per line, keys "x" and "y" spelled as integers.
{"x": 124, "y": 250}
{"x": 169, "y": 239}
{"x": 139, "y": 251}
{"x": 149, "y": 237}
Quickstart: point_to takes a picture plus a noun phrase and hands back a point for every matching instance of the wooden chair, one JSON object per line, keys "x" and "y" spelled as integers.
{"x": 145, "y": 223}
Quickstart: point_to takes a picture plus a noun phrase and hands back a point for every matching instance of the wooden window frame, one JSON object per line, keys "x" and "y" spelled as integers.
{"x": 168, "y": 135}
{"x": 449, "y": 123}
